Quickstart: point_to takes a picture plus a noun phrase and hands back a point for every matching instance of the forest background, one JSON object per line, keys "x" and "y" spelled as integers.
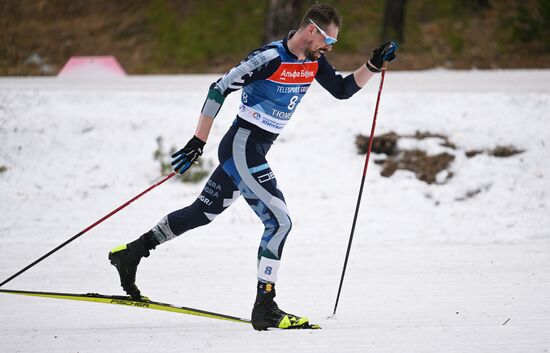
{"x": 37, "y": 37}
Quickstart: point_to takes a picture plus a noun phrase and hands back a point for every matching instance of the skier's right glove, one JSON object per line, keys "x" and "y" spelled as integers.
{"x": 386, "y": 52}
{"x": 184, "y": 158}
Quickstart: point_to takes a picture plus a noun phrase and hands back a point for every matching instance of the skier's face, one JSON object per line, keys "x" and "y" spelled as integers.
{"x": 318, "y": 43}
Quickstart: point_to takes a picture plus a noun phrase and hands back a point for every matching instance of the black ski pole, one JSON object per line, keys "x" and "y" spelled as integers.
{"x": 361, "y": 187}
{"x": 88, "y": 228}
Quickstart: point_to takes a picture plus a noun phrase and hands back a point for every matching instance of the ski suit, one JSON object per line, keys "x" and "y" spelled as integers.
{"x": 273, "y": 82}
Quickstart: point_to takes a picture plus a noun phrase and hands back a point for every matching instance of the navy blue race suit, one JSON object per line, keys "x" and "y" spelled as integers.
{"x": 273, "y": 82}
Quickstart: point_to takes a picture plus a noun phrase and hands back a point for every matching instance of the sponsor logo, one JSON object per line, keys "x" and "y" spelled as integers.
{"x": 213, "y": 185}
{"x": 299, "y": 73}
{"x": 210, "y": 191}
{"x": 281, "y": 115}
{"x": 266, "y": 177}
{"x": 205, "y": 200}
{"x": 265, "y": 120}
{"x": 271, "y": 124}
{"x": 292, "y": 89}
{"x": 295, "y": 74}
{"x": 130, "y": 303}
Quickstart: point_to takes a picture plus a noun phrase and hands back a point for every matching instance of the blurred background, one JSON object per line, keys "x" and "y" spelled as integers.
{"x": 37, "y": 37}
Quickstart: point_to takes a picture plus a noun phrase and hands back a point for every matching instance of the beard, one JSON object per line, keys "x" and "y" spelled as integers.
{"x": 313, "y": 55}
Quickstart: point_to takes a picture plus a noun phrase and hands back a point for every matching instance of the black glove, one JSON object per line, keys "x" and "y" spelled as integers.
{"x": 386, "y": 52}
{"x": 184, "y": 158}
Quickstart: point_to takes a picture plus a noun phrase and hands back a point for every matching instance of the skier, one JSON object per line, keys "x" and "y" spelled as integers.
{"x": 273, "y": 79}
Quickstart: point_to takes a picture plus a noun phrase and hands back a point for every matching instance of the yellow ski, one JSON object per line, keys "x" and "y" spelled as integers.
{"x": 127, "y": 301}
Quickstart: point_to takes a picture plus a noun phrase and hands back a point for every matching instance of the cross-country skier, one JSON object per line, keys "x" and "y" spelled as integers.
{"x": 273, "y": 79}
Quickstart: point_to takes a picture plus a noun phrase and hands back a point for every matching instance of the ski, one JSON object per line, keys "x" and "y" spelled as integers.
{"x": 145, "y": 304}
{"x": 128, "y": 301}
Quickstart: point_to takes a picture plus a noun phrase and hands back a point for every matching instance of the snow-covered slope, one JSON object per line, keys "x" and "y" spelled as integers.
{"x": 427, "y": 273}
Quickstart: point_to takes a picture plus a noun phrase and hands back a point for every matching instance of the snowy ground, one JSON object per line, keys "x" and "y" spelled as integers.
{"x": 427, "y": 273}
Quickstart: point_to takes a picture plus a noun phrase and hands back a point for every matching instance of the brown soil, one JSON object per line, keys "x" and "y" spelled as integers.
{"x": 425, "y": 167}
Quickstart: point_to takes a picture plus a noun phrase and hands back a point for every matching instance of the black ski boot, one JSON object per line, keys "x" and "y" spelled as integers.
{"x": 267, "y": 314}
{"x": 126, "y": 259}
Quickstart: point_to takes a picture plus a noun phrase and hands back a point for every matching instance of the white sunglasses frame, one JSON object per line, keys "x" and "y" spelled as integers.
{"x": 324, "y": 34}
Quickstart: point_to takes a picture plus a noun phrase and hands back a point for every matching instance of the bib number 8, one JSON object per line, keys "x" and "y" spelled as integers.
{"x": 292, "y": 103}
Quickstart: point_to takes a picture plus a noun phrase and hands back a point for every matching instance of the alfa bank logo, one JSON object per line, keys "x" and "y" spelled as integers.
{"x": 295, "y": 73}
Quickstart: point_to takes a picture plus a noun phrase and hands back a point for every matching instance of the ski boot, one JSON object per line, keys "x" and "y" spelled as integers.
{"x": 126, "y": 258}
{"x": 266, "y": 313}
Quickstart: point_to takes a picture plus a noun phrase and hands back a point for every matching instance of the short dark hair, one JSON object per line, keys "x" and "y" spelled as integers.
{"x": 323, "y": 15}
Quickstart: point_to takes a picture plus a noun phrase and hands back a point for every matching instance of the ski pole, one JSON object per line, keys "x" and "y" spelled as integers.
{"x": 361, "y": 187}
{"x": 88, "y": 228}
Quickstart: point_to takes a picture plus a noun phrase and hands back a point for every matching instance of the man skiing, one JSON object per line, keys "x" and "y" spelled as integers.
{"x": 273, "y": 79}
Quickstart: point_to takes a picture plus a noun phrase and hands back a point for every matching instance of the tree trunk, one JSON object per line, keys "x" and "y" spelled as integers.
{"x": 394, "y": 19}
{"x": 281, "y": 17}
{"x": 482, "y": 4}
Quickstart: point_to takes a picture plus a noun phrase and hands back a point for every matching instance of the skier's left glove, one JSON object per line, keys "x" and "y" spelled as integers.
{"x": 184, "y": 158}
{"x": 386, "y": 52}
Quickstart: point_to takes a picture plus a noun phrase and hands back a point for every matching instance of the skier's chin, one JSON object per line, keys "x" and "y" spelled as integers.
{"x": 314, "y": 55}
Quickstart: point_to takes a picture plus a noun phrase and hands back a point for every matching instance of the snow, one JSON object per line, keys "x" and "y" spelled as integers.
{"x": 427, "y": 272}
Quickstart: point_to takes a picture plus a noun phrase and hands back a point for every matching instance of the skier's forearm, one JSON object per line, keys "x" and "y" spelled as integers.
{"x": 362, "y": 75}
{"x": 203, "y": 127}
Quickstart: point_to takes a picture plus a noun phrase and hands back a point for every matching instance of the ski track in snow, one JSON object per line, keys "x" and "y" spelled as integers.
{"x": 427, "y": 273}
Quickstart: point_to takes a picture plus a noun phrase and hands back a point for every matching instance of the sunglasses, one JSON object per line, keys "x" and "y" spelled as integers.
{"x": 328, "y": 39}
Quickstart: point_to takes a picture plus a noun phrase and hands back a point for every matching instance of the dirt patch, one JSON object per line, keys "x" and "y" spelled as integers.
{"x": 499, "y": 151}
{"x": 429, "y": 168}
{"x": 386, "y": 143}
{"x": 504, "y": 151}
{"x": 424, "y": 167}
